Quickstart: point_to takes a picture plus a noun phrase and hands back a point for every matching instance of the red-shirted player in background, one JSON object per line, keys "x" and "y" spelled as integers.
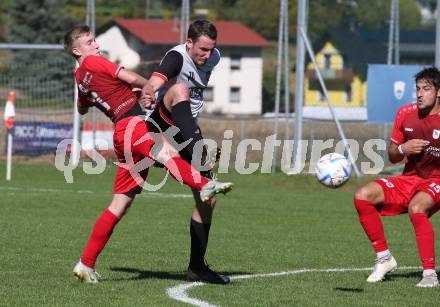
{"x": 416, "y": 138}
{"x": 108, "y": 87}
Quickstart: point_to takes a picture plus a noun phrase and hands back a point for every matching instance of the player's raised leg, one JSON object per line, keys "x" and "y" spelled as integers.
{"x": 177, "y": 102}
{"x": 157, "y": 147}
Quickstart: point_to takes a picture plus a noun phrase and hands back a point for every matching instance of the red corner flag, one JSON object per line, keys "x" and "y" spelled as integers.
{"x": 10, "y": 110}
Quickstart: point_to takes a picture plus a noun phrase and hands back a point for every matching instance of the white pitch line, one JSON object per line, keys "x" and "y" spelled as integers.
{"x": 50, "y": 190}
{"x": 166, "y": 195}
{"x": 179, "y": 292}
{"x": 44, "y": 190}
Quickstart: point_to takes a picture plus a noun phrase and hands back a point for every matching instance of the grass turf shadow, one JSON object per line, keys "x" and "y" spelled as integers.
{"x": 143, "y": 274}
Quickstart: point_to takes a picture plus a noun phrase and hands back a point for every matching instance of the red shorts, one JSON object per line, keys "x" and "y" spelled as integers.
{"x": 399, "y": 190}
{"x": 128, "y": 132}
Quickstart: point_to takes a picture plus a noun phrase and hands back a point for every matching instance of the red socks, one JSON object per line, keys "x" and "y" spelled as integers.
{"x": 184, "y": 172}
{"x": 100, "y": 234}
{"x": 372, "y": 224}
{"x": 425, "y": 239}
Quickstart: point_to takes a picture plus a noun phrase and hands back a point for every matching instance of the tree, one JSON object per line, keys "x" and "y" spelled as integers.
{"x": 4, "y": 18}
{"x": 410, "y": 11}
{"x": 259, "y": 15}
{"x": 222, "y": 10}
{"x": 40, "y": 22}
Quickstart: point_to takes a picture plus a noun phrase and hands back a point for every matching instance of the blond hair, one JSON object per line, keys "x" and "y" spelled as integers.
{"x": 73, "y": 35}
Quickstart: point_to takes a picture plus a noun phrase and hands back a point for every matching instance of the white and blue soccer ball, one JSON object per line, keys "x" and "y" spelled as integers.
{"x": 333, "y": 170}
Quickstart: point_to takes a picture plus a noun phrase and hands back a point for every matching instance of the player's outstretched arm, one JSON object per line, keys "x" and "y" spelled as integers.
{"x": 132, "y": 78}
{"x": 156, "y": 82}
{"x": 147, "y": 96}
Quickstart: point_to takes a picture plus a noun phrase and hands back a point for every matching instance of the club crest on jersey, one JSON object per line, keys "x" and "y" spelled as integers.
{"x": 435, "y": 134}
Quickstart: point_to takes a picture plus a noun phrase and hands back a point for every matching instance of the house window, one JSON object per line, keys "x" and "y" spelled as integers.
{"x": 208, "y": 94}
{"x": 234, "y": 95}
{"x": 327, "y": 63}
{"x": 235, "y": 61}
{"x": 348, "y": 93}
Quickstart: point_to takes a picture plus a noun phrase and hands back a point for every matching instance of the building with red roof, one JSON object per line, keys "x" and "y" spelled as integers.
{"x": 236, "y": 83}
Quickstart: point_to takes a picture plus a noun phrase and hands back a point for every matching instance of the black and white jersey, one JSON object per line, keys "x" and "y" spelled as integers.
{"x": 177, "y": 66}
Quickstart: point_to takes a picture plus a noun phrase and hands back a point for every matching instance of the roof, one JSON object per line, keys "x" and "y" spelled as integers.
{"x": 166, "y": 32}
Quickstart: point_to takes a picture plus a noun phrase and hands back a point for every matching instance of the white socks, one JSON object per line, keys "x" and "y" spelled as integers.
{"x": 428, "y": 272}
{"x": 384, "y": 253}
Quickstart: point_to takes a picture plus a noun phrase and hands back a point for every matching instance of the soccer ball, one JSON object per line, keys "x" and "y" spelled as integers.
{"x": 333, "y": 170}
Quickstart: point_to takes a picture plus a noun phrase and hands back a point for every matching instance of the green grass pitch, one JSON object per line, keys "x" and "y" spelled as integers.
{"x": 268, "y": 223}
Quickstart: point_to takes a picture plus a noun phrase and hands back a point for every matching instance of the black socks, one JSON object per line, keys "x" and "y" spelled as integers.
{"x": 189, "y": 130}
{"x": 199, "y": 242}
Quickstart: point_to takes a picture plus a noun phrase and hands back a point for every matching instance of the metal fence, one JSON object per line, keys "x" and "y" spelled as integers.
{"x": 44, "y": 91}
{"x": 368, "y": 141}
{"x": 43, "y": 84}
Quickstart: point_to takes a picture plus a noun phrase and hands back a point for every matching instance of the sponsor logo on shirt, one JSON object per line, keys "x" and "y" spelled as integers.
{"x": 409, "y": 129}
{"x": 196, "y": 93}
{"x": 191, "y": 76}
{"x": 83, "y": 86}
{"x": 433, "y": 151}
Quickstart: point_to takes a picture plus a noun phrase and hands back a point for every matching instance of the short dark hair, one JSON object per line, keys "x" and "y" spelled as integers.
{"x": 430, "y": 75}
{"x": 71, "y": 36}
{"x": 202, "y": 27}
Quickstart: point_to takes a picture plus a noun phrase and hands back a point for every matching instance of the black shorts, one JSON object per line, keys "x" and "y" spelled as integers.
{"x": 160, "y": 121}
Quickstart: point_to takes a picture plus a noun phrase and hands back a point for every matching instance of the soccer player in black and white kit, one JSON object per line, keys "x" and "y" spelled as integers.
{"x": 180, "y": 79}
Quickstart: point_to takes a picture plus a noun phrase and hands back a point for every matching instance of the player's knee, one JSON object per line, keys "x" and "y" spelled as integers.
{"x": 417, "y": 206}
{"x": 363, "y": 193}
{"x": 120, "y": 205}
{"x": 166, "y": 153}
{"x": 180, "y": 93}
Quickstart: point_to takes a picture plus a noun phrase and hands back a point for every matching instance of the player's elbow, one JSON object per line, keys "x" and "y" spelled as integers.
{"x": 394, "y": 158}
{"x": 83, "y": 110}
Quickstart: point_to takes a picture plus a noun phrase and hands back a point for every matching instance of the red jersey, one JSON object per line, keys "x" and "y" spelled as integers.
{"x": 98, "y": 85}
{"x": 409, "y": 125}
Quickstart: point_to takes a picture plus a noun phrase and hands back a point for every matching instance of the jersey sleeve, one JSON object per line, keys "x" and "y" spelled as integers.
{"x": 397, "y": 135}
{"x": 170, "y": 66}
{"x": 99, "y": 64}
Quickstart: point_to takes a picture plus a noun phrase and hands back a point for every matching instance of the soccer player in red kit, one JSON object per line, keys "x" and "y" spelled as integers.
{"x": 108, "y": 87}
{"x": 415, "y": 138}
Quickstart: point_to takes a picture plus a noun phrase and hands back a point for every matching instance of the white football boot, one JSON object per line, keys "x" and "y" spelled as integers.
{"x": 85, "y": 273}
{"x": 382, "y": 266}
{"x": 214, "y": 187}
{"x": 428, "y": 280}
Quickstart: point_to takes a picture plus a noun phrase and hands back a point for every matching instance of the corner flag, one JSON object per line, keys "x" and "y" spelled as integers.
{"x": 10, "y": 110}
{"x": 9, "y": 122}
